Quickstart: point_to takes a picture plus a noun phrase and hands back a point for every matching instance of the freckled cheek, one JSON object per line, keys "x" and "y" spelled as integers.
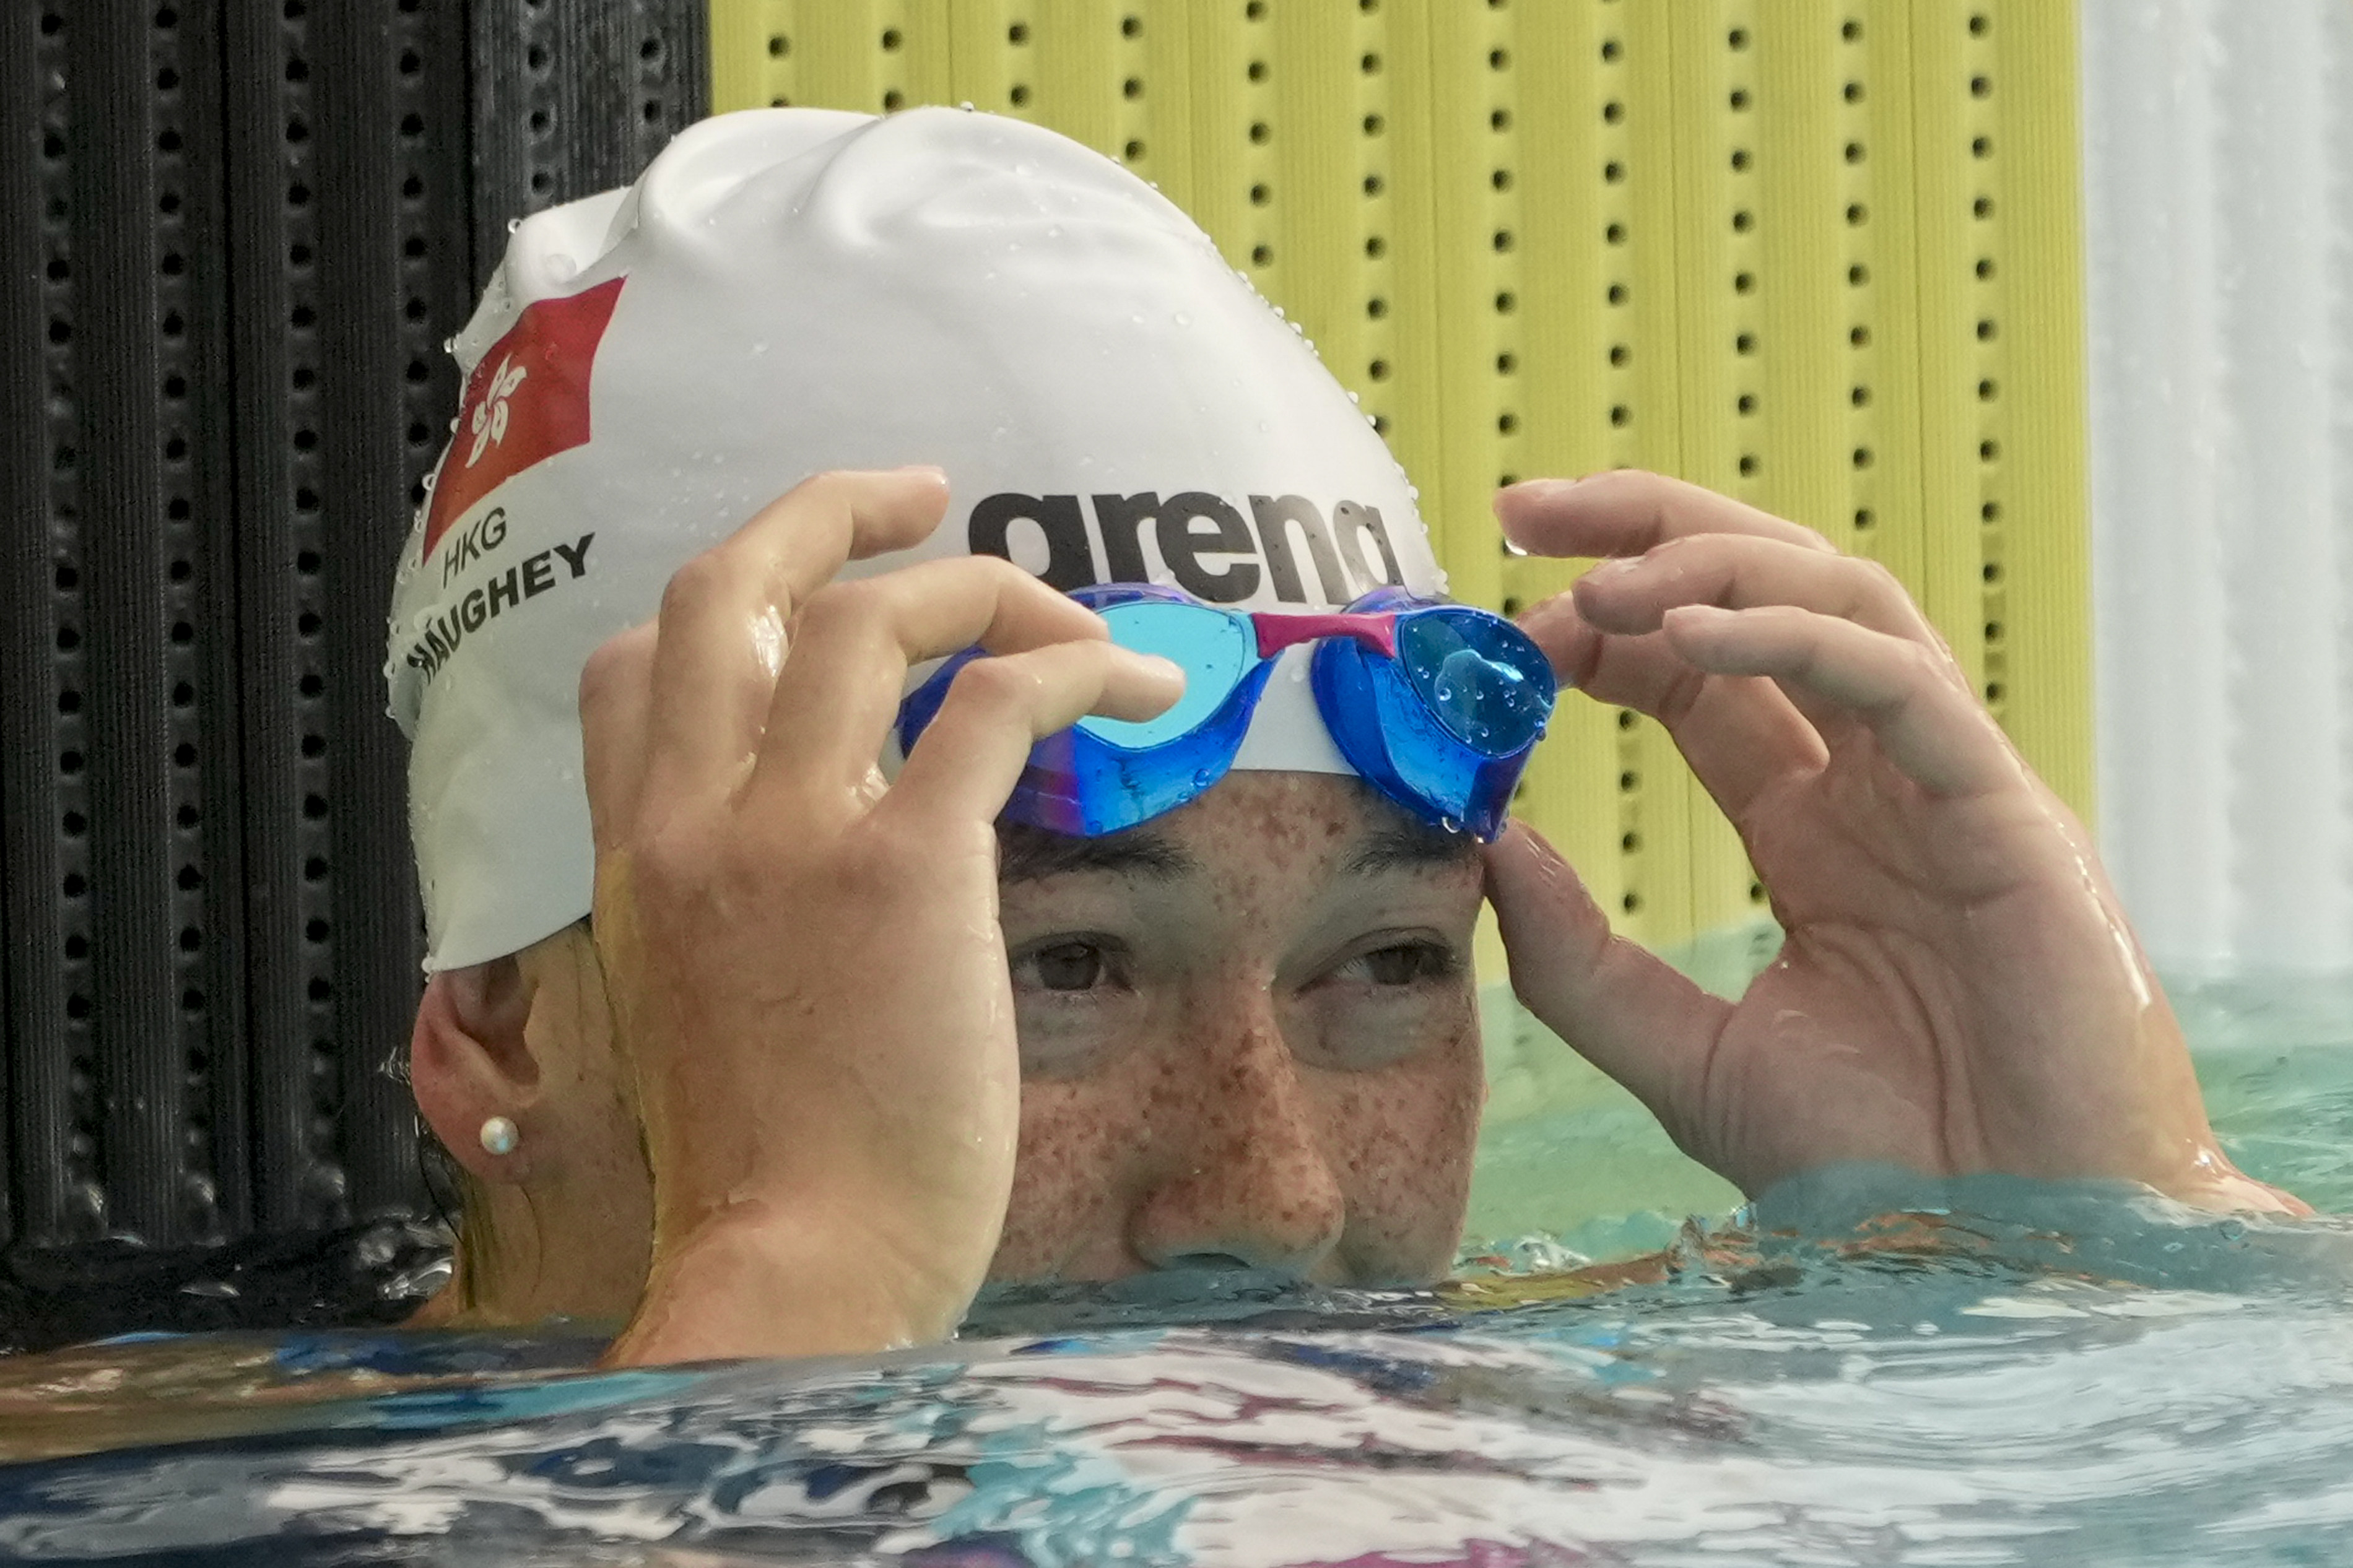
{"x": 1080, "y": 1143}
{"x": 1408, "y": 1133}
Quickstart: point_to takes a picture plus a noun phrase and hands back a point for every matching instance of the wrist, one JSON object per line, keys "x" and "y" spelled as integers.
{"x": 2228, "y": 1190}
{"x": 760, "y": 1282}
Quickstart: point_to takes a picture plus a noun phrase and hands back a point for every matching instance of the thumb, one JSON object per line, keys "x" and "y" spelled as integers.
{"x": 1616, "y": 1003}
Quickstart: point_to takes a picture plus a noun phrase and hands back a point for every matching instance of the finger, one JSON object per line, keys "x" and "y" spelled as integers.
{"x": 1741, "y": 736}
{"x": 1627, "y": 512}
{"x": 1643, "y": 672}
{"x": 1930, "y": 725}
{"x": 1739, "y": 572}
{"x": 840, "y": 690}
{"x": 723, "y": 615}
{"x": 616, "y": 691}
{"x": 972, "y": 754}
{"x": 1621, "y": 1007}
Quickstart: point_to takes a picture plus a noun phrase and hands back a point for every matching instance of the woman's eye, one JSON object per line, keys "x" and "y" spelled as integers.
{"x": 1074, "y": 1002}
{"x": 1405, "y": 964}
{"x": 1068, "y": 966}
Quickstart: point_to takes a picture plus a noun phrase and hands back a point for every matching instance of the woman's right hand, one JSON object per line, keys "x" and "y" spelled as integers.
{"x": 805, "y": 967}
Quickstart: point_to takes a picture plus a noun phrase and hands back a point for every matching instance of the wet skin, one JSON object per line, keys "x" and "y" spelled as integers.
{"x": 1248, "y": 1036}
{"x": 878, "y": 1056}
{"x": 1247, "y": 1032}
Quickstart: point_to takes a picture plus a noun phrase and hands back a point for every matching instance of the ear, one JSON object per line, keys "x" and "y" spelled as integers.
{"x": 469, "y": 1060}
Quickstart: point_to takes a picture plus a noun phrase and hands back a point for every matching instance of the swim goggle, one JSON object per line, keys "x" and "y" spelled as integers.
{"x": 1436, "y": 705}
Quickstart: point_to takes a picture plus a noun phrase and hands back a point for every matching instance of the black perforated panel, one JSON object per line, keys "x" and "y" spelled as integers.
{"x": 239, "y": 234}
{"x": 125, "y": 1069}
{"x": 31, "y": 278}
{"x": 348, "y": 123}
{"x": 571, "y": 99}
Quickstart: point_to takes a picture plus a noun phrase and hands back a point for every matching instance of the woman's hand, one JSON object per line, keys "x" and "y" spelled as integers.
{"x": 806, "y": 972}
{"x": 1959, "y": 990}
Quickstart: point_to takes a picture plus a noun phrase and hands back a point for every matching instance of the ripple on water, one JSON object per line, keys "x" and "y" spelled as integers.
{"x": 2000, "y": 1373}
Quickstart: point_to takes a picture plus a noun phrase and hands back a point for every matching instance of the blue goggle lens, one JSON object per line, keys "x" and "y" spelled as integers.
{"x": 1214, "y": 649}
{"x": 1483, "y": 678}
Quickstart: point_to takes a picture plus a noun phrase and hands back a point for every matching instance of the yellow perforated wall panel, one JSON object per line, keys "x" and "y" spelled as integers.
{"x": 1822, "y": 254}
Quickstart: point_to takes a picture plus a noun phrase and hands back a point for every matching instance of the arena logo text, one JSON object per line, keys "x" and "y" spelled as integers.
{"x": 1207, "y": 546}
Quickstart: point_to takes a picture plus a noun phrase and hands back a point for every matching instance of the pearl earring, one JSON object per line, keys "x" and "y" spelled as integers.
{"x": 498, "y": 1135}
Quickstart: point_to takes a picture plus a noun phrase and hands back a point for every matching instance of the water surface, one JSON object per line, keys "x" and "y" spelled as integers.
{"x": 1865, "y": 1369}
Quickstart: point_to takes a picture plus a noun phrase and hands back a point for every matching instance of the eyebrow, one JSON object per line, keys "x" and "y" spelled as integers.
{"x": 1027, "y": 854}
{"x": 1410, "y": 848}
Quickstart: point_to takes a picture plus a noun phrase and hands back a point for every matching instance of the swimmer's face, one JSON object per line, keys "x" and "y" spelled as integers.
{"x": 1248, "y": 1037}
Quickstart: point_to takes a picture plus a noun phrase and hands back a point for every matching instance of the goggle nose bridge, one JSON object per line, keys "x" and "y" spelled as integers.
{"x": 1375, "y": 630}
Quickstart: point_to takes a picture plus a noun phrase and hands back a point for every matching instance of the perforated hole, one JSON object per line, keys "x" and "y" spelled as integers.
{"x": 1503, "y": 224}
{"x": 1979, "y": 59}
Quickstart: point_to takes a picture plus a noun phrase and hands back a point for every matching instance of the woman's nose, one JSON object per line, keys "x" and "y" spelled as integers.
{"x": 1247, "y": 1182}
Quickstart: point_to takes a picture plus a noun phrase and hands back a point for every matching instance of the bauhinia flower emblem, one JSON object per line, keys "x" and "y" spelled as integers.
{"x": 490, "y": 422}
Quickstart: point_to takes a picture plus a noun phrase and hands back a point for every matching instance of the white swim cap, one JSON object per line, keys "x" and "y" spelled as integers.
{"x": 785, "y": 292}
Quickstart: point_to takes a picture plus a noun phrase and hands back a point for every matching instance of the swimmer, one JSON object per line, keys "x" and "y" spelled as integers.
{"x": 853, "y": 1030}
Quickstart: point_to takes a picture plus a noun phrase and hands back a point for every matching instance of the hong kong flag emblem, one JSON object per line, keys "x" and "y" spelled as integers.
{"x": 527, "y": 401}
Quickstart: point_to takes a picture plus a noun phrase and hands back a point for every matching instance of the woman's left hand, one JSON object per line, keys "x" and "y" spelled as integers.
{"x": 1959, "y": 990}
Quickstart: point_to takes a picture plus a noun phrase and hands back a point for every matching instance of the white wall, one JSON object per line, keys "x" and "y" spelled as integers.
{"x": 2219, "y": 172}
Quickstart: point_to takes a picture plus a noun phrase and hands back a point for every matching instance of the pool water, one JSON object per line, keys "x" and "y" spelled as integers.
{"x": 1864, "y": 1368}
